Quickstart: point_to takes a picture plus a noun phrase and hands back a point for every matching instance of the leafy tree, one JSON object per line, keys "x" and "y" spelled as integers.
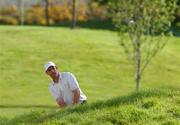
{"x": 142, "y": 20}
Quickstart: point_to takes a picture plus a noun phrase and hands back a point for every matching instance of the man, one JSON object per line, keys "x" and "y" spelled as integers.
{"x": 64, "y": 87}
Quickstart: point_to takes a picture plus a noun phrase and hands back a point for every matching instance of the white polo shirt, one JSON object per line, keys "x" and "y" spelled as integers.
{"x": 63, "y": 89}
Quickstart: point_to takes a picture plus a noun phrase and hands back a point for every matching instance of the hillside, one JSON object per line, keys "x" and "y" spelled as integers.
{"x": 148, "y": 107}
{"x": 94, "y": 56}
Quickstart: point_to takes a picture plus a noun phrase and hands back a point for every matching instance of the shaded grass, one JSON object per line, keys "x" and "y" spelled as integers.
{"x": 94, "y": 25}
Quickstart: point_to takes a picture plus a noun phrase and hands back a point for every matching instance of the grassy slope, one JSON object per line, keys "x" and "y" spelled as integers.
{"x": 94, "y": 57}
{"x": 150, "y": 107}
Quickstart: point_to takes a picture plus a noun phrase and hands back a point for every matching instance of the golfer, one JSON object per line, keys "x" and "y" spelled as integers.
{"x": 64, "y": 86}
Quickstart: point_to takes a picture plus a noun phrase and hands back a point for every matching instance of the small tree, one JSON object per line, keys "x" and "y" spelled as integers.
{"x": 143, "y": 20}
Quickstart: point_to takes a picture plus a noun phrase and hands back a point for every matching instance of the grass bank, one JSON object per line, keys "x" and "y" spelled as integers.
{"x": 146, "y": 107}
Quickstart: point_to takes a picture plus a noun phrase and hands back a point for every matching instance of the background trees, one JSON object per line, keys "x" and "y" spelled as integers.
{"x": 49, "y": 12}
{"x": 35, "y": 12}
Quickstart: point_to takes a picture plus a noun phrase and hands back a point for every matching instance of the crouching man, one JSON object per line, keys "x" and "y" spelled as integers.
{"x": 64, "y": 87}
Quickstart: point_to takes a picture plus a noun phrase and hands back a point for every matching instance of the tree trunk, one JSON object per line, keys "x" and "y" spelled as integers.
{"x": 74, "y": 13}
{"x": 22, "y": 12}
{"x": 47, "y": 12}
{"x": 137, "y": 64}
{"x": 90, "y": 12}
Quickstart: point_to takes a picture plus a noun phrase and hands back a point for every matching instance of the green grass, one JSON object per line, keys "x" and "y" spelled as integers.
{"x": 94, "y": 56}
{"x": 150, "y": 107}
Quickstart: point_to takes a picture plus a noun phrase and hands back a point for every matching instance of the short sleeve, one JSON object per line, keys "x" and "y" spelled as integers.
{"x": 73, "y": 83}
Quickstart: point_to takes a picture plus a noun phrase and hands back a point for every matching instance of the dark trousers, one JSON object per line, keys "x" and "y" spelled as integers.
{"x": 83, "y": 102}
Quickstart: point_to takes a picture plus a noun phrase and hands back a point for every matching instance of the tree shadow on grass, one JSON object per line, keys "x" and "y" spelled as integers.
{"x": 97, "y": 25}
{"x": 42, "y": 116}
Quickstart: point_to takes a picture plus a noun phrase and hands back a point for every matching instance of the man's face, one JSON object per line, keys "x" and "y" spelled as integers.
{"x": 52, "y": 71}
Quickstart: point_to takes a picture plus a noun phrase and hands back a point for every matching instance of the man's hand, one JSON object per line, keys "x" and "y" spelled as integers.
{"x": 61, "y": 102}
{"x": 76, "y": 93}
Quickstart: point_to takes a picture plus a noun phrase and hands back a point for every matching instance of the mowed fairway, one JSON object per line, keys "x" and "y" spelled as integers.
{"x": 94, "y": 56}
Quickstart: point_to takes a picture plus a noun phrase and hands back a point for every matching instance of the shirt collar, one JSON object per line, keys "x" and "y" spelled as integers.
{"x": 60, "y": 76}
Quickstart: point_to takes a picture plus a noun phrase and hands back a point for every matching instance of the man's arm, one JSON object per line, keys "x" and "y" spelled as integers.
{"x": 76, "y": 93}
{"x": 60, "y": 102}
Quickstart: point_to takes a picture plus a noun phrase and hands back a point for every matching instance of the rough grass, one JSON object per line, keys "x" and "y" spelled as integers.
{"x": 150, "y": 107}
